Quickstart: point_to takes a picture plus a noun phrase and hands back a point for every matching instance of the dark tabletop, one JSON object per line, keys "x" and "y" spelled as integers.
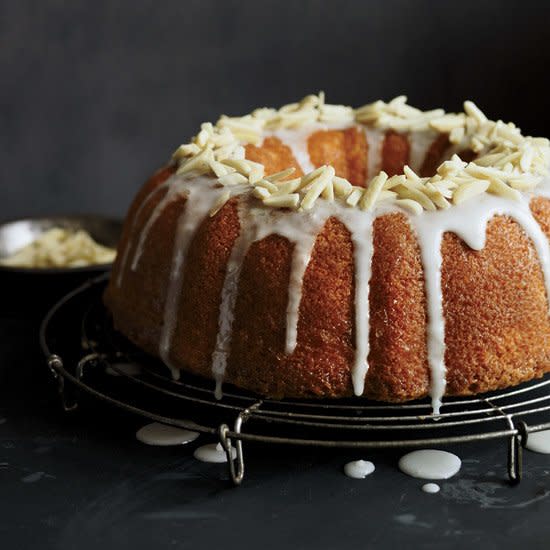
{"x": 82, "y": 480}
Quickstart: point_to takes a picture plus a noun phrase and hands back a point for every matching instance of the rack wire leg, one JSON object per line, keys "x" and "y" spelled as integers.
{"x": 55, "y": 365}
{"x": 236, "y": 472}
{"x": 515, "y": 459}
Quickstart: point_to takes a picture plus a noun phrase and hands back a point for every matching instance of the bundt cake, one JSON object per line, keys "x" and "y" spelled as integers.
{"x": 322, "y": 251}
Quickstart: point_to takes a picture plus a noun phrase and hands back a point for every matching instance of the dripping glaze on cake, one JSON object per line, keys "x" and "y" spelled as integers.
{"x": 223, "y": 173}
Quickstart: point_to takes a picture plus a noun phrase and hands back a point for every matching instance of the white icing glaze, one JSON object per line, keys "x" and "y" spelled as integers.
{"x": 543, "y": 188}
{"x": 431, "y": 488}
{"x": 297, "y": 140}
{"x": 177, "y": 189}
{"x": 430, "y": 253}
{"x": 301, "y": 254}
{"x": 228, "y": 297}
{"x": 375, "y": 139}
{"x": 257, "y": 223}
{"x": 430, "y": 464}
{"x": 213, "y": 452}
{"x": 301, "y": 229}
{"x": 360, "y": 225}
{"x": 359, "y": 469}
{"x": 202, "y": 195}
{"x": 539, "y": 442}
{"x": 164, "y": 435}
{"x": 467, "y": 220}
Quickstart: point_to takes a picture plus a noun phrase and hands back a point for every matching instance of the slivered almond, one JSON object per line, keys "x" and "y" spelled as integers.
{"x": 469, "y": 190}
{"x": 354, "y": 196}
{"x": 283, "y": 201}
{"x": 410, "y": 205}
{"x": 405, "y": 192}
{"x": 233, "y": 179}
{"x": 372, "y": 191}
{"x": 316, "y": 187}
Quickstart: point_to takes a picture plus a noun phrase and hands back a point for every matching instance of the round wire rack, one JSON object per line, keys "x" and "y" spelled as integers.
{"x": 84, "y": 352}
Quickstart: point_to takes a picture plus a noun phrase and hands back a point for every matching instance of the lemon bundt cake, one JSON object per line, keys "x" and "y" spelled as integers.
{"x": 322, "y": 251}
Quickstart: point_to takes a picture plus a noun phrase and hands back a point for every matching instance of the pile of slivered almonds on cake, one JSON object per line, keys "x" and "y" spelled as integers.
{"x": 507, "y": 162}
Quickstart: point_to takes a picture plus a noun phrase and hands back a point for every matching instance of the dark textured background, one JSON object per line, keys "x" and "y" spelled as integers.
{"x": 95, "y": 95}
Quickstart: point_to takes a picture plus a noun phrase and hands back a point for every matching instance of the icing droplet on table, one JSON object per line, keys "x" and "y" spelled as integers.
{"x": 431, "y": 488}
{"x": 430, "y": 464}
{"x": 163, "y": 435}
{"x": 359, "y": 469}
{"x": 213, "y": 452}
{"x": 539, "y": 442}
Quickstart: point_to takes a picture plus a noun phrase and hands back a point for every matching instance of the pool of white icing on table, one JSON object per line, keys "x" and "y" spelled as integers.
{"x": 539, "y": 442}
{"x": 430, "y": 464}
{"x": 359, "y": 469}
{"x": 431, "y": 488}
{"x": 163, "y": 435}
{"x": 213, "y": 452}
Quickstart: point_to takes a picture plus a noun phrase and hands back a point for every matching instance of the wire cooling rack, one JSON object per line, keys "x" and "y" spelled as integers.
{"x": 81, "y": 346}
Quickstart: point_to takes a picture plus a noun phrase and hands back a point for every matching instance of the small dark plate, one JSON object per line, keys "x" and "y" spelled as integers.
{"x": 31, "y": 291}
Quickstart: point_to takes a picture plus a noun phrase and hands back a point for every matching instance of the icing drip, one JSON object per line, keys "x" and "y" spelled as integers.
{"x": 469, "y": 221}
{"x": 543, "y": 188}
{"x": 297, "y": 140}
{"x": 176, "y": 190}
{"x": 430, "y": 253}
{"x": 202, "y": 195}
{"x": 300, "y": 228}
{"x": 360, "y": 225}
{"x": 301, "y": 255}
{"x": 229, "y": 297}
{"x": 375, "y": 138}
